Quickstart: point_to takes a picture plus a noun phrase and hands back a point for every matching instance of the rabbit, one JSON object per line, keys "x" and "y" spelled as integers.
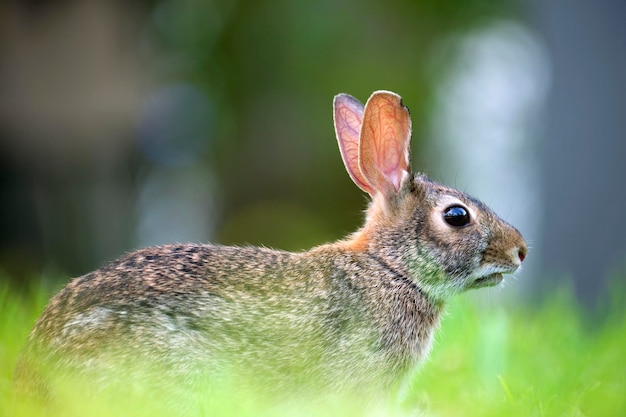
{"x": 354, "y": 316}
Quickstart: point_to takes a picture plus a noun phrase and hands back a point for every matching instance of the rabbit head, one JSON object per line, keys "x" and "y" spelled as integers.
{"x": 440, "y": 238}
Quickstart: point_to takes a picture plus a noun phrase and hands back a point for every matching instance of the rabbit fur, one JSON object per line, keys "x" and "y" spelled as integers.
{"x": 354, "y": 315}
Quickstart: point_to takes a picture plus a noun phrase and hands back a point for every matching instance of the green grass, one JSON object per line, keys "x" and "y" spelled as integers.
{"x": 541, "y": 361}
{"x": 489, "y": 360}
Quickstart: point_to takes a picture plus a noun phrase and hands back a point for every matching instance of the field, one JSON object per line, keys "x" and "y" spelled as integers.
{"x": 488, "y": 360}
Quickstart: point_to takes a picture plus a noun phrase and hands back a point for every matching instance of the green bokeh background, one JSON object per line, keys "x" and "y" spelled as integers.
{"x": 261, "y": 147}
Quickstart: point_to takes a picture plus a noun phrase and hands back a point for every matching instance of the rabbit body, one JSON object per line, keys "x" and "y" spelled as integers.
{"x": 335, "y": 316}
{"x": 353, "y": 315}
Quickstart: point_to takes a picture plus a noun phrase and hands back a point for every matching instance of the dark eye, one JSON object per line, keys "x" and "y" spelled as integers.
{"x": 456, "y": 216}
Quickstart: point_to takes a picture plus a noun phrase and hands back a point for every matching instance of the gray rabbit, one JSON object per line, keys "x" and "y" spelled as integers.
{"x": 346, "y": 317}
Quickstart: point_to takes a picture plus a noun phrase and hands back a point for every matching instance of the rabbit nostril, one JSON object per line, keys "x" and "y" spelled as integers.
{"x": 521, "y": 254}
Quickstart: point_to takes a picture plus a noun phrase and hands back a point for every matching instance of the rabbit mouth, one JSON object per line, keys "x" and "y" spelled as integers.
{"x": 487, "y": 281}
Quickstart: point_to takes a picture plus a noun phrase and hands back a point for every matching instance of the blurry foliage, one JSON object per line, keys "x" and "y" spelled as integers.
{"x": 544, "y": 361}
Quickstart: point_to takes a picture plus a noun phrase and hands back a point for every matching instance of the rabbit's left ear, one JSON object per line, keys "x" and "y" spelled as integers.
{"x": 348, "y": 117}
{"x": 384, "y": 145}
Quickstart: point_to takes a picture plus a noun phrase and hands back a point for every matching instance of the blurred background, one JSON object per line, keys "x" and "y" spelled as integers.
{"x": 141, "y": 122}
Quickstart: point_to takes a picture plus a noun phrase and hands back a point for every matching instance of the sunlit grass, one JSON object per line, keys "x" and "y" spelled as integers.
{"x": 543, "y": 361}
{"x": 494, "y": 360}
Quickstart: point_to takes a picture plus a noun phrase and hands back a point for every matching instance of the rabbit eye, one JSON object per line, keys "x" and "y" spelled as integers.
{"x": 456, "y": 216}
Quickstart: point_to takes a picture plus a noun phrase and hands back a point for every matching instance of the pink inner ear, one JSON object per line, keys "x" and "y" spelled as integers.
{"x": 348, "y": 115}
{"x": 385, "y": 140}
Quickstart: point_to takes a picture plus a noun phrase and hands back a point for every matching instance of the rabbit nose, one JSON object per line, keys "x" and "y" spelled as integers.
{"x": 521, "y": 254}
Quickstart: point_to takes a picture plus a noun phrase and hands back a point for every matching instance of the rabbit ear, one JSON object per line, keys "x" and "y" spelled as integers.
{"x": 348, "y": 117}
{"x": 384, "y": 142}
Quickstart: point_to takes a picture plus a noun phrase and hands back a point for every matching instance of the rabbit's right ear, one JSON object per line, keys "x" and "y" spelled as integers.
{"x": 348, "y": 117}
{"x": 384, "y": 144}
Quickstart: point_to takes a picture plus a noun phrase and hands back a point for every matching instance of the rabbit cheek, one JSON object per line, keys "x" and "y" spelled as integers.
{"x": 441, "y": 266}
{"x": 429, "y": 276}
{"x": 458, "y": 249}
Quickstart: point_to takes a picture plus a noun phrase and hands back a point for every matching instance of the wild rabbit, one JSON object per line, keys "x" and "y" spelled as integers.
{"x": 353, "y": 315}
